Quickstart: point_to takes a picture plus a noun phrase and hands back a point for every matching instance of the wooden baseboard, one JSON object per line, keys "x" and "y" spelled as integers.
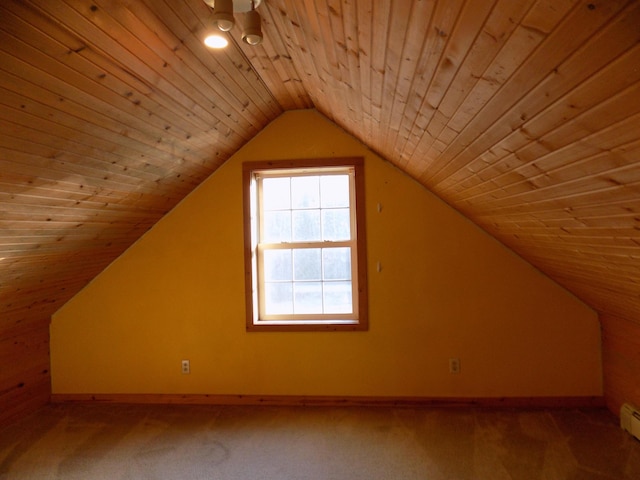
{"x": 312, "y": 400}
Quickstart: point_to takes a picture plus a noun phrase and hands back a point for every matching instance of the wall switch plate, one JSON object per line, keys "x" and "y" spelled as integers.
{"x": 186, "y": 366}
{"x": 454, "y": 365}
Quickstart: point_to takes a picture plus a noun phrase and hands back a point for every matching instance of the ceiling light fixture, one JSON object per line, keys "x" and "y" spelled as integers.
{"x": 252, "y": 33}
{"x": 224, "y": 21}
{"x": 222, "y": 14}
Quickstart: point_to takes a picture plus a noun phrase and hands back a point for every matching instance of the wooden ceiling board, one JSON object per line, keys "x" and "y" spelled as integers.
{"x": 521, "y": 95}
{"x": 523, "y": 115}
{"x": 274, "y": 65}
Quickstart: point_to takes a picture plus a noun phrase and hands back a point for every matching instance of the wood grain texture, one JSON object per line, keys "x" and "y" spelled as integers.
{"x": 621, "y": 355}
{"x": 524, "y": 116}
{"x": 334, "y": 401}
{"x": 25, "y": 379}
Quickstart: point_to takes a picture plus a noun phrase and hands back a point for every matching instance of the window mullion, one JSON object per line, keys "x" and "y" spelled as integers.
{"x": 300, "y": 245}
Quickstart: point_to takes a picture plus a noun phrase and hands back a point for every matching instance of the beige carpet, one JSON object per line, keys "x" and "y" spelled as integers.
{"x": 280, "y": 443}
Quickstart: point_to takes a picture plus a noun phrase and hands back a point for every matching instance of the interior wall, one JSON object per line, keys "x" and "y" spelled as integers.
{"x": 621, "y": 361}
{"x": 446, "y": 289}
{"x": 25, "y": 379}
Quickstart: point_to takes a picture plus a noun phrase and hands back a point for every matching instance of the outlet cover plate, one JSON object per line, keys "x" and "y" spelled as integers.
{"x": 186, "y": 366}
{"x": 454, "y": 365}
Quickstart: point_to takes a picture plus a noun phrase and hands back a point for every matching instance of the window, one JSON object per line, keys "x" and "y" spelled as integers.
{"x": 305, "y": 254}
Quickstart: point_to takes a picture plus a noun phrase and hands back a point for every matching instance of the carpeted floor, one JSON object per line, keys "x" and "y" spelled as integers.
{"x": 246, "y": 443}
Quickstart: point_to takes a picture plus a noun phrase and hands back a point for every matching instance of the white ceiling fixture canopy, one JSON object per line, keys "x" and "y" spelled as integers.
{"x": 239, "y": 6}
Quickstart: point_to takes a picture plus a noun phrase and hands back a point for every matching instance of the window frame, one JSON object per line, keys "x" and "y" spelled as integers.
{"x": 330, "y": 322}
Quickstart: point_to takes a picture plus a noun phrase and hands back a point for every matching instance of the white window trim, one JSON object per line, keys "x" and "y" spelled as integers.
{"x": 358, "y": 320}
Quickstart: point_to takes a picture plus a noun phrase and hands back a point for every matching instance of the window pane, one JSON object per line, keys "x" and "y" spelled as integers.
{"x": 307, "y": 264}
{"x": 305, "y": 192}
{"x": 336, "y": 224}
{"x": 277, "y": 227}
{"x": 276, "y": 193}
{"x": 307, "y": 297}
{"x": 278, "y": 298}
{"x": 306, "y": 225}
{"x": 277, "y": 265}
{"x": 336, "y": 263}
{"x": 334, "y": 191}
{"x": 337, "y": 297}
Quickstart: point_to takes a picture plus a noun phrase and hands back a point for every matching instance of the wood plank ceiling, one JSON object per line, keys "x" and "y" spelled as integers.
{"x": 522, "y": 114}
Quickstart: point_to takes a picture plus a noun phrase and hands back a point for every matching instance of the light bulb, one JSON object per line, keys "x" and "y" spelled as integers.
{"x": 216, "y": 40}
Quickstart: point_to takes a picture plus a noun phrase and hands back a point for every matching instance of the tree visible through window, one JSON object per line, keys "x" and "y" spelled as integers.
{"x": 304, "y": 245}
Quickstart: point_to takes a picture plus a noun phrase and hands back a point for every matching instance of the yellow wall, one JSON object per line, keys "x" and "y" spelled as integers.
{"x": 446, "y": 289}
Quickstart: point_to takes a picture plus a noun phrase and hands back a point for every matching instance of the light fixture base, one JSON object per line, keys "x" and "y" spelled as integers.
{"x": 239, "y": 6}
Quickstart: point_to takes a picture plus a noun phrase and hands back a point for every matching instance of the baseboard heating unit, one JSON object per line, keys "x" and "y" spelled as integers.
{"x": 630, "y": 420}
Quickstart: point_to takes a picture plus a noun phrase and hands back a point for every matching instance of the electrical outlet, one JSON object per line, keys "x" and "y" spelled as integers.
{"x": 454, "y": 365}
{"x": 186, "y": 366}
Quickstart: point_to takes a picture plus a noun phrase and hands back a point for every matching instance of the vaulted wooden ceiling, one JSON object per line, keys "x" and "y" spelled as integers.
{"x": 522, "y": 114}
